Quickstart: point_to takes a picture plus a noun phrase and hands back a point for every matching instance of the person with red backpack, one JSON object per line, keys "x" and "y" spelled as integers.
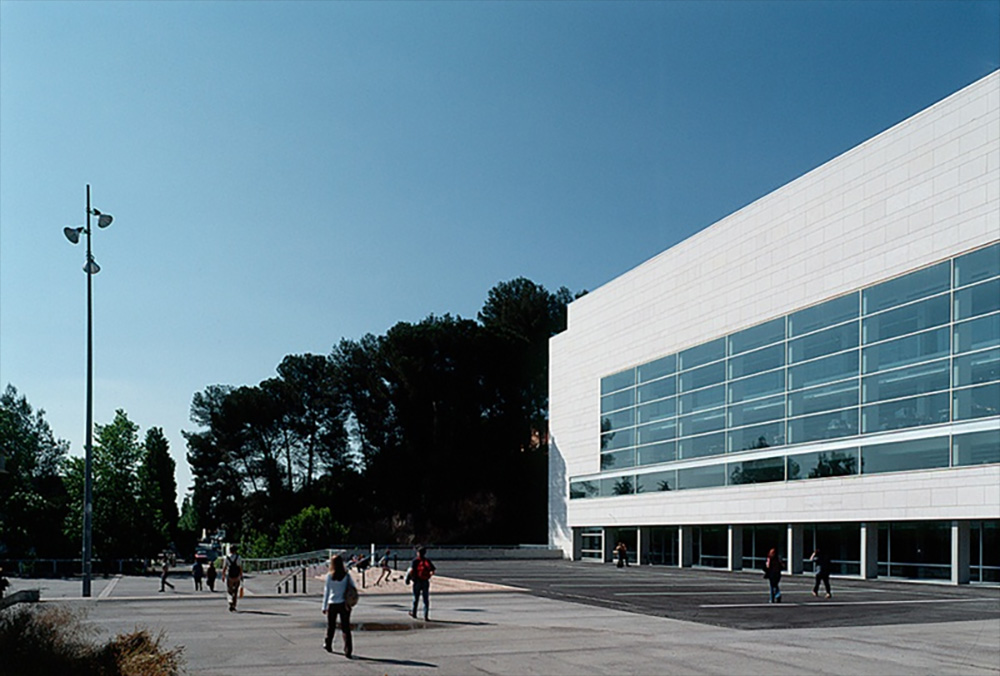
{"x": 420, "y": 572}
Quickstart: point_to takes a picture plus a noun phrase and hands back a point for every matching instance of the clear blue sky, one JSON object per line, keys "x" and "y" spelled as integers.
{"x": 286, "y": 174}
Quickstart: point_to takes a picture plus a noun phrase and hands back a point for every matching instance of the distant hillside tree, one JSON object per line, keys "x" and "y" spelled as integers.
{"x": 158, "y": 490}
{"x": 33, "y": 497}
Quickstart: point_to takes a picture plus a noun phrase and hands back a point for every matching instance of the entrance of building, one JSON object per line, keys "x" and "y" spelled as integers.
{"x": 630, "y": 536}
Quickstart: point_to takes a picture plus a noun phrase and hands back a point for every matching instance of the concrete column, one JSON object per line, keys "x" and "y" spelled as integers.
{"x": 960, "y": 535}
{"x": 685, "y": 552}
{"x": 869, "y": 550}
{"x": 642, "y": 545}
{"x": 735, "y": 547}
{"x": 795, "y": 548}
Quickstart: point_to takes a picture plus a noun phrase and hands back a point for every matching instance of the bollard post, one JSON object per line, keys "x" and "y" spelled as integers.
{"x": 362, "y": 578}
{"x": 303, "y": 579}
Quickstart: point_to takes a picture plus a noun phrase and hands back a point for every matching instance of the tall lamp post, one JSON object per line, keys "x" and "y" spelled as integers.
{"x": 91, "y": 268}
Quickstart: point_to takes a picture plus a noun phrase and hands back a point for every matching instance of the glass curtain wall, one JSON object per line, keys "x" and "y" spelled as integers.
{"x": 840, "y": 541}
{"x": 710, "y": 546}
{"x": 917, "y": 350}
{"x": 984, "y": 551}
{"x": 758, "y": 541}
{"x": 592, "y": 544}
{"x": 662, "y": 546}
{"x": 917, "y": 550}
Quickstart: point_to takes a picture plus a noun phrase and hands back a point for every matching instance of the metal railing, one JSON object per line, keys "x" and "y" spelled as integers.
{"x": 292, "y": 577}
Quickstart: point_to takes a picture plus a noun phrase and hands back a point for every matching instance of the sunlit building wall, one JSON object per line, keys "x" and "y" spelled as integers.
{"x": 821, "y": 367}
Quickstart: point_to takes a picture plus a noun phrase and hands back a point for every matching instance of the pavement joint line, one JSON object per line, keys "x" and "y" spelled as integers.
{"x": 106, "y": 592}
{"x": 741, "y": 591}
{"x": 844, "y": 603}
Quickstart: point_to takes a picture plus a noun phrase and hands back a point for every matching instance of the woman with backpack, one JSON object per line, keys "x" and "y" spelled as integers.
{"x": 232, "y": 570}
{"x": 421, "y": 571}
{"x": 338, "y": 595}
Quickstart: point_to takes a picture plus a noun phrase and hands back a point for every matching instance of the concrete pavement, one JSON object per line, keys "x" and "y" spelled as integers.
{"x": 482, "y": 628}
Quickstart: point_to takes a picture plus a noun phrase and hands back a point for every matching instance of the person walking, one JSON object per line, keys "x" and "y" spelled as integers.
{"x": 335, "y": 604}
{"x": 232, "y": 570}
{"x": 421, "y": 571}
{"x": 622, "y": 550}
{"x": 210, "y": 575}
{"x": 772, "y": 571}
{"x": 164, "y": 571}
{"x": 821, "y": 564}
{"x": 383, "y": 563}
{"x": 197, "y": 572}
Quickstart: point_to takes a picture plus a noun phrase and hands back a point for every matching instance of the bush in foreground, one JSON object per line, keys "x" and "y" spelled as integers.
{"x": 52, "y": 639}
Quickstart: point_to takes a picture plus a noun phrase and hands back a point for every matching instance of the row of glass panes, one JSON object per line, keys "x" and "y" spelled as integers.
{"x": 974, "y": 448}
{"x": 969, "y": 403}
{"x": 969, "y": 269}
{"x": 707, "y": 410}
{"x": 902, "y": 380}
{"x": 659, "y": 420}
{"x": 810, "y": 358}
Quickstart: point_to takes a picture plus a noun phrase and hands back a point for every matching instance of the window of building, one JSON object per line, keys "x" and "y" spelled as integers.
{"x": 904, "y": 456}
{"x": 654, "y": 454}
{"x": 984, "y": 551}
{"x": 977, "y": 265}
{"x": 837, "y": 339}
{"x": 821, "y": 464}
{"x": 657, "y": 481}
{"x": 759, "y": 540}
{"x": 916, "y": 550}
{"x": 662, "y": 546}
{"x": 909, "y": 287}
{"x": 701, "y": 477}
{"x": 710, "y": 546}
{"x": 976, "y": 448}
{"x": 592, "y": 544}
{"x": 756, "y": 471}
{"x": 757, "y": 336}
{"x": 977, "y": 402}
{"x": 840, "y": 541}
{"x": 825, "y": 314}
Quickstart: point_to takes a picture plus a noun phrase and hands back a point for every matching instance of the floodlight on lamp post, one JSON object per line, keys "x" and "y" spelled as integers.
{"x": 91, "y": 268}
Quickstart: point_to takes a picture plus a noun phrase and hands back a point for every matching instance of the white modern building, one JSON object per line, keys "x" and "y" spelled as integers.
{"x": 820, "y": 368}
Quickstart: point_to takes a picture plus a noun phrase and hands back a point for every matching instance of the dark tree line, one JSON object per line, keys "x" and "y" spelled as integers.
{"x": 435, "y": 431}
{"x": 41, "y": 489}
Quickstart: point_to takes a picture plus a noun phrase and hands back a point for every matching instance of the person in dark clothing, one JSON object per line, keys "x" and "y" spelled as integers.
{"x": 772, "y": 571}
{"x": 622, "y": 550}
{"x": 210, "y": 576}
{"x": 420, "y": 572}
{"x": 197, "y": 572}
{"x": 821, "y": 563}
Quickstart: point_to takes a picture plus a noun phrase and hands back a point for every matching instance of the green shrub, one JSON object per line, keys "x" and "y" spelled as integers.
{"x": 52, "y": 639}
{"x": 312, "y": 528}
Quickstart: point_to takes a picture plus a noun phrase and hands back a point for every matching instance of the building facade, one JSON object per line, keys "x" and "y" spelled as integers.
{"x": 820, "y": 368}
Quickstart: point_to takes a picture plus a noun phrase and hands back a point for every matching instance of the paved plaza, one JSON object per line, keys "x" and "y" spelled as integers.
{"x": 559, "y": 617}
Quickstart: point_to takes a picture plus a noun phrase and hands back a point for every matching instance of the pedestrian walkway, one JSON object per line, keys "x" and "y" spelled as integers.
{"x": 502, "y": 631}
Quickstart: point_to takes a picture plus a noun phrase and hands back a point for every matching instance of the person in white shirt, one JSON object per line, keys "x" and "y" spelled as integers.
{"x": 338, "y": 580}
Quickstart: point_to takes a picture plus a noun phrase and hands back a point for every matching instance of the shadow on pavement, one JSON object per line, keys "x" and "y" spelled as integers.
{"x": 401, "y": 663}
{"x": 261, "y": 612}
